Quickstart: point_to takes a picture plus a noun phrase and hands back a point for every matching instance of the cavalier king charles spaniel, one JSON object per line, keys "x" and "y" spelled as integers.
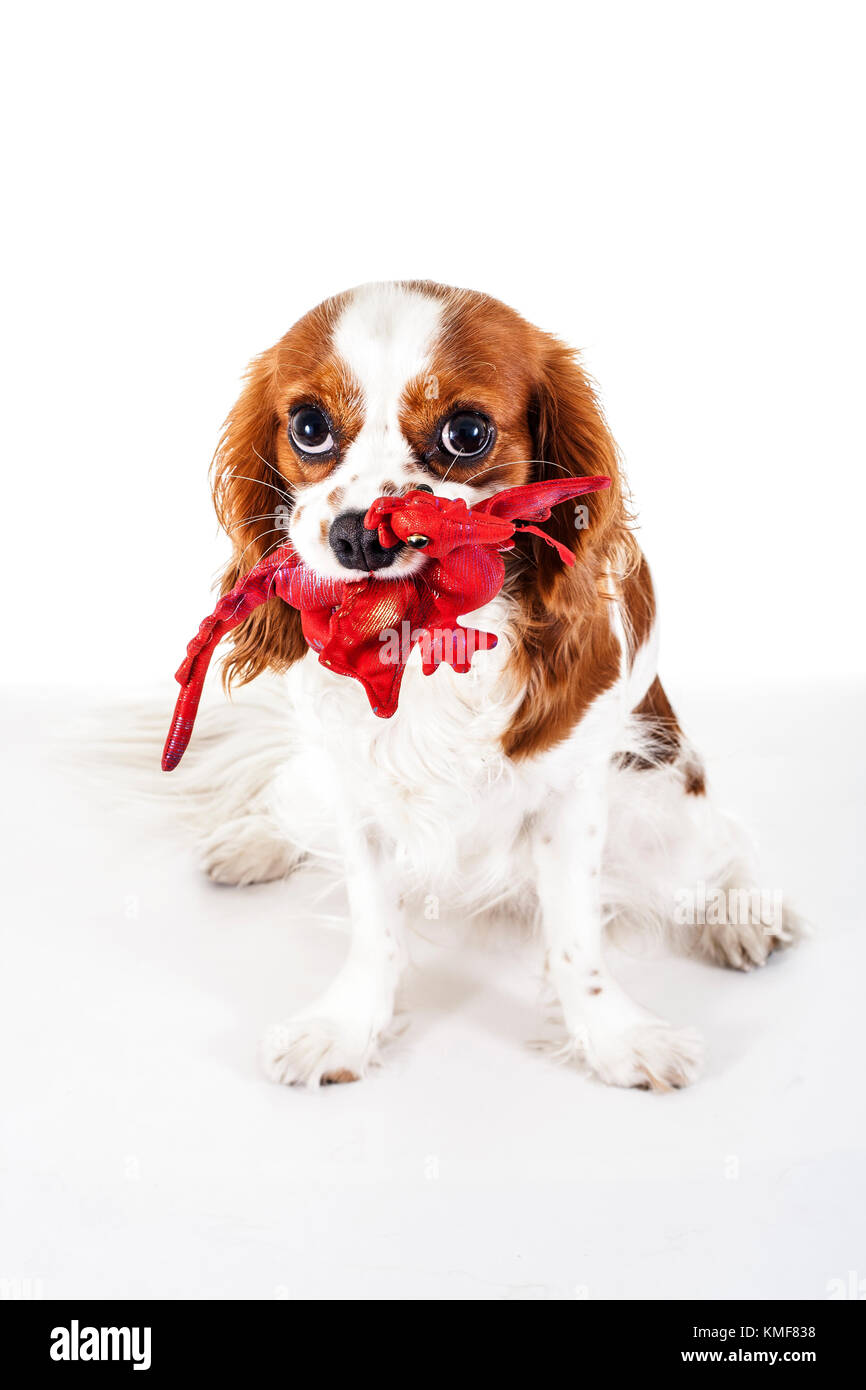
{"x": 554, "y": 777}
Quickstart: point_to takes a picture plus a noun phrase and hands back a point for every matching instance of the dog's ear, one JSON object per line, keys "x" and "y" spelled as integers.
{"x": 571, "y": 439}
{"x": 253, "y": 503}
{"x": 566, "y": 652}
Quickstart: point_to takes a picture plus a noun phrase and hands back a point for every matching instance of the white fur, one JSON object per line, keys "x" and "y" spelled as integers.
{"x": 427, "y": 802}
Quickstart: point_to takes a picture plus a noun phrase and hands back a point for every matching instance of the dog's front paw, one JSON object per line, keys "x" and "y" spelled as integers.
{"x": 652, "y": 1056}
{"x": 315, "y": 1051}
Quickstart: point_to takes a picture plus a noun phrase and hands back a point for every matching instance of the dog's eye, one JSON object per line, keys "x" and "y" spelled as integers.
{"x": 310, "y": 431}
{"x": 466, "y": 433}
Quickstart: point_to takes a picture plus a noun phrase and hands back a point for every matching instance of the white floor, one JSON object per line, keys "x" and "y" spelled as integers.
{"x": 143, "y": 1154}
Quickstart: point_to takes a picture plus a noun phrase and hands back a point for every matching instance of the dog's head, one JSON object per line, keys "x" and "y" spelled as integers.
{"x": 396, "y": 386}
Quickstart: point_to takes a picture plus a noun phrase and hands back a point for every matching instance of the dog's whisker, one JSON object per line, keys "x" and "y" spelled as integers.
{"x": 547, "y": 463}
{"x": 246, "y": 477}
{"x": 248, "y": 521}
{"x": 451, "y": 465}
{"x": 267, "y": 463}
{"x": 273, "y": 545}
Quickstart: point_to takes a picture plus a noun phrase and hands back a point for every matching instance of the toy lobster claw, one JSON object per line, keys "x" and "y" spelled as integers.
{"x": 440, "y": 525}
{"x": 367, "y": 628}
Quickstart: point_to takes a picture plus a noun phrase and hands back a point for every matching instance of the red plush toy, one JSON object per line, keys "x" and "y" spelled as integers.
{"x": 355, "y": 626}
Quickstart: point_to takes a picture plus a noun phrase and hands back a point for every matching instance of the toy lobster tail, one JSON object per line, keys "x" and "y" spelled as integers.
{"x": 229, "y": 612}
{"x": 347, "y": 623}
{"x": 280, "y": 573}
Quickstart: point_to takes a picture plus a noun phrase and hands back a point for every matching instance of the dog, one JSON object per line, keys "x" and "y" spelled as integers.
{"x": 553, "y": 779}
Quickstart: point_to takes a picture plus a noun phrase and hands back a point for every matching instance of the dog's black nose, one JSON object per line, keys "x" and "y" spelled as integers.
{"x": 355, "y": 547}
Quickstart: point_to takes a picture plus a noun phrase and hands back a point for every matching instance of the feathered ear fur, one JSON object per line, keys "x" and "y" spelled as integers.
{"x": 253, "y": 501}
{"x": 571, "y": 438}
{"x": 566, "y": 653}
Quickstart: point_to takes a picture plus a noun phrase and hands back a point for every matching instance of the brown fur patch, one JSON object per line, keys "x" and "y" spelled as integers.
{"x": 661, "y": 724}
{"x": 562, "y": 665}
{"x": 482, "y": 361}
{"x": 695, "y": 781}
{"x": 666, "y": 738}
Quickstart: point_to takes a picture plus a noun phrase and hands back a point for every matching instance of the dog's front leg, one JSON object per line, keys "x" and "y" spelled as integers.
{"x": 335, "y": 1038}
{"x": 622, "y": 1042}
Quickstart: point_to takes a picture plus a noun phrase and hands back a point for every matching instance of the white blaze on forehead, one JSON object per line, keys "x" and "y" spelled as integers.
{"x": 385, "y": 335}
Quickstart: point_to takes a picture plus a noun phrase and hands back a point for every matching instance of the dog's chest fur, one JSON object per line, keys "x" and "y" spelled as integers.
{"x": 432, "y": 785}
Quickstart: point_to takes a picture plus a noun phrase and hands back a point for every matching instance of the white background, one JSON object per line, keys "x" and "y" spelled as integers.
{"x": 675, "y": 188}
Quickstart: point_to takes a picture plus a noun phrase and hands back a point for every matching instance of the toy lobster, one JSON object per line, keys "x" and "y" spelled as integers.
{"x": 355, "y": 625}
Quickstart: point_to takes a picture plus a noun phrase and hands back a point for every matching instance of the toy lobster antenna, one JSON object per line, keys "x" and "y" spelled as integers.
{"x": 347, "y": 623}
